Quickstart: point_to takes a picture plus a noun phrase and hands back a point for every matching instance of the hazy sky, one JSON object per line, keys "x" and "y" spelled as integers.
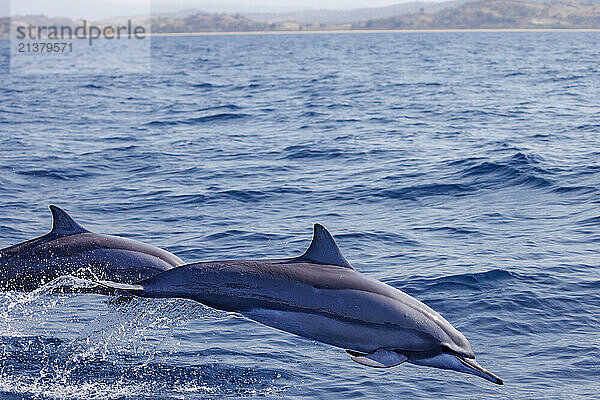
{"x": 99, "y": 9}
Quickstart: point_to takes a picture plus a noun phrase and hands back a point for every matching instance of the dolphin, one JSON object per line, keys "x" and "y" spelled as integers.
{"x": 70, "y": 249}
{"x": 320, "y": 296}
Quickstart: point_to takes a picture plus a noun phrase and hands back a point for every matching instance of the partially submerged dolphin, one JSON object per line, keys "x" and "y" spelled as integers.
{"x": 70, "y": 249}
{"x": 320, "y": 296}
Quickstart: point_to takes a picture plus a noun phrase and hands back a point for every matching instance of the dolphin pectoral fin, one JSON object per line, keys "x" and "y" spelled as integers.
{"x": 380, "y": 359}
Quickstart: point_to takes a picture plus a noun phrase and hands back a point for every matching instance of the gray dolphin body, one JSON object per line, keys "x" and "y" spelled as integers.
{"x": 320, "y": 296}
{"x": 70, "y": 249}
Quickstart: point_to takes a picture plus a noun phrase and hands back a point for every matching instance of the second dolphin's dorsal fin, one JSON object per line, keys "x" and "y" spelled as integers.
{"x": 63, "y": 224}
{"x": 324, "y": 250}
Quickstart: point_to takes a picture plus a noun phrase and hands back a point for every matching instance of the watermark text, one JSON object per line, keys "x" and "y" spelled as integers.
{"x": 84, "y": 31}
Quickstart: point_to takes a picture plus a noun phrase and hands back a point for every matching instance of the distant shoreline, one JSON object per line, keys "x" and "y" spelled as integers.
{"x": 455, "y": 16}
{"x": 347, "y": 31}
{"x": 218, "y": 33}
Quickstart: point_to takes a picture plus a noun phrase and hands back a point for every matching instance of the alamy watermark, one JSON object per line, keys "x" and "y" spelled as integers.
{"x": 79, "y": 47}
{"x": 64, "y": 37}
{"x": 83, "y": 31}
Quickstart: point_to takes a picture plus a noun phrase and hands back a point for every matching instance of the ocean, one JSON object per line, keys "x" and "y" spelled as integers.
{"x": 462, "y": 168}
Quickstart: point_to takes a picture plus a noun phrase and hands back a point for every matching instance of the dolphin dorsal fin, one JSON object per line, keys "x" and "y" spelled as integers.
{"x": 324, "y": 250}
{"x": 63, "y": 224}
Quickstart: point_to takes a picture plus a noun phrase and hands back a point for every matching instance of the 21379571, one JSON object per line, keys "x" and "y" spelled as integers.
{"x": 44, "y": 47}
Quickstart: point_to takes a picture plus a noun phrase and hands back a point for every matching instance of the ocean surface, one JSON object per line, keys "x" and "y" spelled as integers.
{"x": 461, "y": 168}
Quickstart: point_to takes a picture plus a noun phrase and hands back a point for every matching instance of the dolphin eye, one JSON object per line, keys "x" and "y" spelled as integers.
{"x": 446, "y": 349}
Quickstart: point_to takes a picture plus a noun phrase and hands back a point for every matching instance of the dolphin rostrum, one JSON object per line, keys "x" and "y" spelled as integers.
{"x": 320, "y": 296}
{"x": 70, "y": 249}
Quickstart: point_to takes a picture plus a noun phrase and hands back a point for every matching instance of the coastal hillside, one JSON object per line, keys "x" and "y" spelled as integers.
{"x": 335, "y": 17}
{"x": 4, "y": 27}
{"x": 205, "y": 22}
{"x": 484, "y": 14}
{"x": 497, "y": 14}
{"x": 501, "y": 14}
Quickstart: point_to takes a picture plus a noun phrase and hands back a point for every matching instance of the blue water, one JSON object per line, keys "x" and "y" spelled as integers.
{"x": 461, "y": 168}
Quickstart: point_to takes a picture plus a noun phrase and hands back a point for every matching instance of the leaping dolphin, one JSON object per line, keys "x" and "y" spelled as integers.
{"x": 70, "y": 249}
{"x": 320, "y": 296}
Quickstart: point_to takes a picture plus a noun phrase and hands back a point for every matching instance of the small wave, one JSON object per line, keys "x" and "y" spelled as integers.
{"x": 339, "y": 105}
{"x": 203, "y": 85}
{"x": 566, "y": 78}
{"x": 513, "y": 74}
{"x": 519, "y": 169}
{"x": 417, "y": 84}
{"x": 311, "y": 114}
{"x": 249, "y": 86}
{"x": 525, "y": 159}
{"x": 373, "y": 237}
{"x": 188, "y": 199}
{"x": 230, "y": 107}
{"x": 324, "y": 78}
{"x": 62, "y": 175}
{"x": 14, "y": 112}
{"x": 535, "y": 182}
{"x": 92, "y": 86}
{"x": 246, "y": 196}
{"x": 123, "y": 138}
{"x": 574, "y": 189}
{"x": 426, "y": 190}
{"x": 451, "y": 229}
{"x": 594, "y": 221}
{"x": 297, "y": 152}
{"x": 486, "y": 168}
{"x": 200, "y": 120}
{"x": 472, "y": 281}
{"x": 9, "y": 231}
{"x": 589, "y": 128}
{"x": 11, "y": 90}
{"x": 239, "y": 235}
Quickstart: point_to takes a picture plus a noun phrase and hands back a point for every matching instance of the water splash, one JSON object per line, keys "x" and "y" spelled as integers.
{"x": 24, "y": 312}
{"x": 117, "y": 351}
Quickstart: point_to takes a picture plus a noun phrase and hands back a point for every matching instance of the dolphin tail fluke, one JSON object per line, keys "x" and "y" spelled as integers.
{"x": 121, "y": 288}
